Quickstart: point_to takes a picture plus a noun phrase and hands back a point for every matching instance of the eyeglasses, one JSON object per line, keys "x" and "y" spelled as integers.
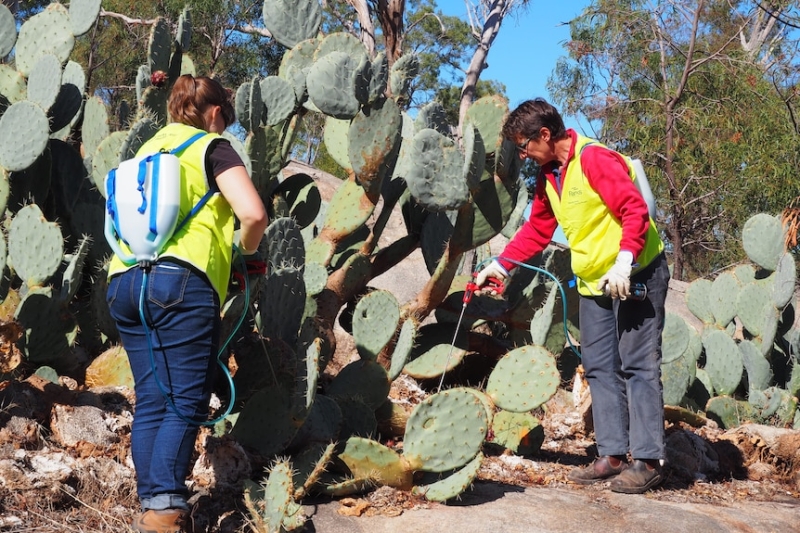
{"x": 524, "y": 146}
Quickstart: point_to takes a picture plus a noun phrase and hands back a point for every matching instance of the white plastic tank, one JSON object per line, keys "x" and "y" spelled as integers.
{"x": 131, "y": 220}
{"x": 644, "y": 187}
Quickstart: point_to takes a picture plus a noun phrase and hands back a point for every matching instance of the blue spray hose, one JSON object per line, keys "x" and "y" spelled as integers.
{"x": 555, "y": 279}
{"x": 219, "y": 354}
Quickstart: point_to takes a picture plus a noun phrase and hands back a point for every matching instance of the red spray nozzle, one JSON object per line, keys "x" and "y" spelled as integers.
{"x": 491, "y": 283}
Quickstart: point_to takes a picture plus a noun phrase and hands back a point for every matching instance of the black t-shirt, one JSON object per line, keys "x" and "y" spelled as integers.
{"x": 221, "y": 157}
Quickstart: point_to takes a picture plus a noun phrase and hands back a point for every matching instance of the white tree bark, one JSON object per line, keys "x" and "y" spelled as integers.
{"x": 367, "y": 27}
{"x": 485, "y": 18}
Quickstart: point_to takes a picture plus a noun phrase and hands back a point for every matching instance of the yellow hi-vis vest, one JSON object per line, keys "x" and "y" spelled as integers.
{"x": 592, "y": 232}
{"x": 204, "y": 242}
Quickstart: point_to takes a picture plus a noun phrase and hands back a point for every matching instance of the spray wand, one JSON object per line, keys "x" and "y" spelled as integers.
{"x": 493, "y": 284}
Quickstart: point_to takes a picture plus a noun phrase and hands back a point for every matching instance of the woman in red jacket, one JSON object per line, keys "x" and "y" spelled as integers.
{"x": 589, "y": 190}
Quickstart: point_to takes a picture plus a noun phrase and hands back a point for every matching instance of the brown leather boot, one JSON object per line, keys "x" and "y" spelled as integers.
{"x": 162, "y": 521}
{"x": 640, "y": 477}
{"x": 603, "y": 468}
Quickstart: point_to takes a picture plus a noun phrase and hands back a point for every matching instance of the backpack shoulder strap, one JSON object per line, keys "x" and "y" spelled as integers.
{"x": 187, "y": 143}
{"x": 209, "y": 193}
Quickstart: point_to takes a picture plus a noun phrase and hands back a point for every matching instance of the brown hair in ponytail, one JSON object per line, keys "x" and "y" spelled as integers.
{"x": 191, "y": 96}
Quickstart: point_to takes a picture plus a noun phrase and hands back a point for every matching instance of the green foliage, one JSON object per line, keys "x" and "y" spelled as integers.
{"x": 717, "y": 149}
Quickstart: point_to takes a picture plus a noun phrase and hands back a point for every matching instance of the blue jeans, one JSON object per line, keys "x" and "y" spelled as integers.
{"x": 621, "y": 349}
{"x": 182, "y": 311}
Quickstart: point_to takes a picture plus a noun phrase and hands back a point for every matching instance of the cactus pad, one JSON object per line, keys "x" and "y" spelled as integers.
{"x": 432, "y": 116}
{"x": 49, "y": 331}
{"x": 488, "y": 114}
{"x": 292, "y": 21}
{"x": 12, "y": 83}
{"x": 35, "y": 246}
{"x": 44, "y": 81}
{"x": 373, "y": 136}
{"x": 723, "y": 362}
{"x": 785, "y": 281}
{"x": 698, "y": 300}
{"x": 8, "y": 30}
{"x": 47, "y": 32}
{"x": 402, "y": 349}
{"x": 435, "y": 353}
{"x": 375, "y": 321}
{"x": 404, "y": 69}
{"x": 337, "y": 142}
{"x": 753, "y": 307}
{"x": 265, "y": 423}
{"x": 369, "y": 459}
{"x": 675, "y": 380}
{"x": 279, "y": 99}
{"x": 331, "y": 84}
{"x": 724, "y": 291}
{"x": 454, "y": 484}
{"x": 106, "y": 157}
{"x": 763, "y": 241}
{"x": 24, "y": 131}
{"x": 434, "y": 168}
{"x": 675, "y": 337}
{"x": 82, "y": 15}
{"x": 519, "y": 432}
{"x": 366, "y": 380}
{"x": 445, "y": 431}
{"x": 523, "y": 379}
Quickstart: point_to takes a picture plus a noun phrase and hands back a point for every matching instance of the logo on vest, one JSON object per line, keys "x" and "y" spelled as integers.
{"x": 575, "y": 192}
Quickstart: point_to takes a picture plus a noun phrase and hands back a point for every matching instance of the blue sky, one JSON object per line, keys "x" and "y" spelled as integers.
{"x": 525, "y": 51}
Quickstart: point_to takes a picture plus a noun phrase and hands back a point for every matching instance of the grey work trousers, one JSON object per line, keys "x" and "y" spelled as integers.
{"x": 621, "y": 354}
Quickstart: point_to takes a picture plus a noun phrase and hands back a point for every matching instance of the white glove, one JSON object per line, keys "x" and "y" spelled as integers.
{"x": 493, "y": 270}
{"x": 616, "y": 282}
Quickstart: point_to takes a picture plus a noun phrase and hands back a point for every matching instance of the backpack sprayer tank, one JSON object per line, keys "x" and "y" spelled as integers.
{"x": 644, "y": 187}
{"x": 143, "y": 202}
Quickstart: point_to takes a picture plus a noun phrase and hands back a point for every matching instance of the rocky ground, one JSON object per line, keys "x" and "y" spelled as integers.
{"x": 65, "y": 463}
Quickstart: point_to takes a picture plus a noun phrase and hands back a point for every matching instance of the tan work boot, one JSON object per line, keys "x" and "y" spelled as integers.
{"x": 640, "y": 477}
{"x": 161, "y": 521}
{"x": 603, "y": 468}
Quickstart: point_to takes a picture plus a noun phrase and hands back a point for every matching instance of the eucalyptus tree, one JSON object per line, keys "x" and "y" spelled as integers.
{"x": 697, "y": 89}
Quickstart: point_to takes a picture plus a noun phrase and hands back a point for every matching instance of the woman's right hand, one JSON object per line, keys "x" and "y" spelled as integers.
{"x": 492, "y": 270}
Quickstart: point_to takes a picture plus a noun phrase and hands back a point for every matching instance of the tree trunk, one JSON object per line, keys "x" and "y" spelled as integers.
{"x": 367, "y": 28}
{"x": 390, "y": 14}
{"x": 497, "y": 9}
